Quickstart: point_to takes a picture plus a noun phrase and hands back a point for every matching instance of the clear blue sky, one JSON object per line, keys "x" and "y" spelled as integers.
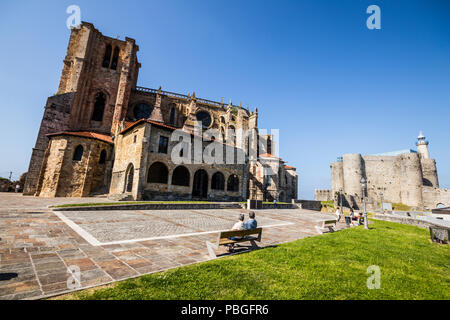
{"x": 312, "y": 68}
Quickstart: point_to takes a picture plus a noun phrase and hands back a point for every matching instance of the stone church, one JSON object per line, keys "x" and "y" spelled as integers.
{"x": 406, "y": 176}
{"x": 101, "y": 134}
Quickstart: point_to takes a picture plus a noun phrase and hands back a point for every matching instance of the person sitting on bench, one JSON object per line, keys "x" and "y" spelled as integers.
{"x": 251, "y": 223}
{"x": 237, "y": 226}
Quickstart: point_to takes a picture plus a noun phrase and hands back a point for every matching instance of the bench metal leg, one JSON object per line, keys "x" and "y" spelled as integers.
{"x": 211, "y": 247}
{"x": 319, "y": 229}
{"x": 254, "y": 245}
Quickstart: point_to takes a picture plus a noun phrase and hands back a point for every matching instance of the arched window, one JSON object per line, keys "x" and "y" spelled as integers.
{"x": 232, "y": 134}
{"x": 129, "y": 177}
{"x": 200, "y": 184}
{"x": 102, "y": 159}
{"x": 107, "y": 57}
{"x": 78, "y": 154}
{"x": 115, "y": 58}
{"x": 158, "y": 173}
{"x": 172, "y": 116}
{"x": 218, "y": 181}
{"x": 222, "y": 119}
{"x": 142, "y": 111}
{"x": 181, "y": 176}
{"x": 205, "y": 118}
{"x": 99, "y": 107}
{"x": 233, "y": 183}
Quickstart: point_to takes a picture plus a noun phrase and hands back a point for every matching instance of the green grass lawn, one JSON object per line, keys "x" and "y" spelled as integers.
{"x": 330, "y": 266}
{"x": 70, "y": 205}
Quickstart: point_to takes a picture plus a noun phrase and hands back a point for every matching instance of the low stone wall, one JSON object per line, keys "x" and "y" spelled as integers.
{"x": 266, "y": 206}
{"x": 279, "y": 206}
{"x": 405, "y": 220}
{"x": 155, "y": 206}
{"x": 309, "y": 204}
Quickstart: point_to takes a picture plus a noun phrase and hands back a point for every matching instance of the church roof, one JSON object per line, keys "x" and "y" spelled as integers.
{"x": 129, "y": 125}
{"x": 84, "y": 134}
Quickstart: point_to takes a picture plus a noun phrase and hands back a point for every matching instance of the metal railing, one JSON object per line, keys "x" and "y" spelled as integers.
{"x": 183, "y": 96}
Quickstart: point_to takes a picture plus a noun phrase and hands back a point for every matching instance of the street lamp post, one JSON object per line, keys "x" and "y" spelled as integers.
{"x": 364, "y": 188}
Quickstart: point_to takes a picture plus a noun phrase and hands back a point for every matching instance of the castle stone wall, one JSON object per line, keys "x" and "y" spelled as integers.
{"x": 429, "y": 171}
{"x": 353, "y": 168}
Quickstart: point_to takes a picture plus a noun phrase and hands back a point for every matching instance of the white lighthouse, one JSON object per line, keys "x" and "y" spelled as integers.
{"x": 422, "y": 146}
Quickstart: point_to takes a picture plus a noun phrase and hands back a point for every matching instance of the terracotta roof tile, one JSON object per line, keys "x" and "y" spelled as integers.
{"x": 268, "y": 155}
{"x": 84, "y": 134}
{"x": 129, "y": 125}
{"x": 290, "y": 167}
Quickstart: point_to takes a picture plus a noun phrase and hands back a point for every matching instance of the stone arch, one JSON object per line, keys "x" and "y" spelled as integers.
{"x": 158, "y": 173}
{"x": 181, "y": 176}
{"x": 440, "y": 206}
{"x": 200, "y": 184}
{"x": 233, "y": 183}
{"x": 129, "y": 178}
{"x": 218, "y": 181}
{"x": 427, "y": 183}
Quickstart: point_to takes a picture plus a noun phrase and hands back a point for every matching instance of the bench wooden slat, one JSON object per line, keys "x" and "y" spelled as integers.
{"x": 224, "y": 241}
{"x": 239, "y": 233}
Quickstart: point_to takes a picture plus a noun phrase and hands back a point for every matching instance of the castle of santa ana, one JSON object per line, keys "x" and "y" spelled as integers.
{"x": 409, "y": 177}
{"x": 103, "y": 135}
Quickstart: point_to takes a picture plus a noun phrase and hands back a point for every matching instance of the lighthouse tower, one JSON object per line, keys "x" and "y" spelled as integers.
{"x": 422, "y": 146}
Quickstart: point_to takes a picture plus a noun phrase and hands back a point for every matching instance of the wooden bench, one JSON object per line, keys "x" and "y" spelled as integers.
{"x": 244, "y": 235}
{"x": 326, "y": 224}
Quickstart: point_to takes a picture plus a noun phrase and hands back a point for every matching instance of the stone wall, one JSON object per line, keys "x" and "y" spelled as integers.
{"x": 432, "y": 197}
{"x": 139, "y": 147}
{"x": 55, "y": 119}
{"x": 404, "y": 178}
{"x": 323, "y": 195}
{"x": 61, "y": 176}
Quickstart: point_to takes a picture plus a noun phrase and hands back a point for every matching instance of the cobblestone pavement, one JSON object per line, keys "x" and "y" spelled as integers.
{"x": 37, "y": 247}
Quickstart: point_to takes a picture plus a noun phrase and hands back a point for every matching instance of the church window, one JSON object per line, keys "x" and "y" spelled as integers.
{"x": 142, "y": 111}
{"x": 115, "y": 58}
{"x": 172, "y": 116}
{"x": 102, "y": 159}
{"x": 99, "y": 107}
{"x": 163, "y": 144}
{"x": 78, "y": 154}
{"x": 107, "y": 57}
{"x": 205, "y": 118}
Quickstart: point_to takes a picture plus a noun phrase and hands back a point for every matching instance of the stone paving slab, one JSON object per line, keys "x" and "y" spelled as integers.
{"x": 37, "y": 248}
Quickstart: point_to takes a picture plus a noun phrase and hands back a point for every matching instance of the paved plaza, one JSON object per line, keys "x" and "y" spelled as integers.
{"x": 38, "y": 246}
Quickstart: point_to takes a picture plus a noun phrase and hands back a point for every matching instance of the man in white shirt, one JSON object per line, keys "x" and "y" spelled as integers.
{"x": 338, "y": 214}
{"x": 237, "y": 226}
{"x": 240, "y": 224}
